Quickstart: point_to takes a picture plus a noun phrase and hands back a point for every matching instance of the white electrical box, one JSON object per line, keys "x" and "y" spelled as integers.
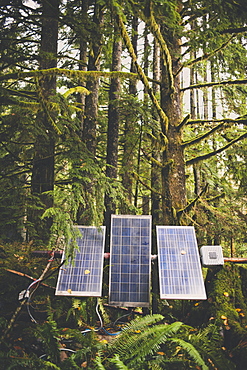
{"x": 212, "y": 255}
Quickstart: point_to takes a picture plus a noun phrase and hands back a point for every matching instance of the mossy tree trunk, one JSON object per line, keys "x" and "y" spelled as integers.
{"x": 90, "y": 119}
{"x": 129, "y": 129}
{"x": 42, "y": 180}
{"x": 113, "y": 128}
{"x": 173, "y": 165}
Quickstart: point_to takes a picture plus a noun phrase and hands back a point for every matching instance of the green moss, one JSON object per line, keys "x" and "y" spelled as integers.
{"x": 227, "y": 303}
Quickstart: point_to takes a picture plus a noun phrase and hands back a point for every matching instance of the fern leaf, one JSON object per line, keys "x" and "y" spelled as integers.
{"x": 191, "y": 350}
{"x": 49, "y": 365}
{"x": 141, "y": 323}
{"x": 135, "y": 346}
{"x": 118, "y": 363}
{"x": 99, "y": 364}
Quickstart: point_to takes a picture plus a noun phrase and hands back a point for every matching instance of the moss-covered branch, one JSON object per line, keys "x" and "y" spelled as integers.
{"x": 192, "y": 203}
{"x": 184, "y": 122}
{"x": 156, "y": 162}
{"x": 215, "y": 152}
{"x": 22, "y": 93}
{"x": 46, "y": 108}
{"x": 234, "y": 30}
{"x": 143, "y": 77}
{"x": 205, "y": 56}
{"x": 202, "y": 137}
{"x": 216, "y": 84}
{"x": 137, "y": 177}
{"x": 242, "y": 120}
{"x": 155, "y": 29}
{"x": 77, "y": 74}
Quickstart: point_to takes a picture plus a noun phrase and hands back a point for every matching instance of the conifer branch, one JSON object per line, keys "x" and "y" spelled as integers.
{"x": 137, "y": 177}
{"x": 216, "y": 197}
{"x": 234, "y": 30}
{"x": 205, "y": 56}
{"x": 23, "y": 93}
{"x": 21, "y": 103}
{"x": 184, "y": 122}
{"x": 46, "y": 109}
{"x": 192, "y": 203}
{"x": 224, "y": 120}
{"x": 202, "y": 137}
{"x": 215, "y": 84}
{"x": 143, "y": 77}
{"x": 155, "y": 161}
{"x": 152, "y": 159}
{"x": 78, "y": 74}
{"x": 215, "y": 152}
{"x": 155, "y": 29}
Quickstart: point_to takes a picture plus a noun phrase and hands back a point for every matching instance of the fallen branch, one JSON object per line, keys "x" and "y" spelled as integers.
{"x": 29, "y": 277}
{"x": 14, "y": 316}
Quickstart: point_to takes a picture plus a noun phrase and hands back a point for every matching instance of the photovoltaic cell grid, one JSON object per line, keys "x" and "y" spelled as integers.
{"x": 180, "y": 272}
{"x": 130, "y": 261}
{"x": 83, "y": 277}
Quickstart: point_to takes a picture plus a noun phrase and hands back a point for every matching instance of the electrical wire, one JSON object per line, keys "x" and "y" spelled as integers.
{"x": 60, "y": 349}
{"x": 97, "y": 311}
{"x": 127, "y": 314}
{"x": 100, "y": 319}
{"x": 101, "y": 323}
{"x": 28, "y": 295}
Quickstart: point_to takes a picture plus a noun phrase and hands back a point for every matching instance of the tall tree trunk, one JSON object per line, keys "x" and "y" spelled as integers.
{"x": 155, "y": 181}
{"x": 83, "y": 58}
{"x": 155, "y": 169}
{"x": 173, "y": 166}
{"x": 193, "y": 104}
{"x": 113, "y": 128}
{"x": 43, "y": 162}
{"x": 143, "y": 122}
{"x": 91, "y": 103}
{"x": 129, "y": 129}
{"x": 85, "y": 215}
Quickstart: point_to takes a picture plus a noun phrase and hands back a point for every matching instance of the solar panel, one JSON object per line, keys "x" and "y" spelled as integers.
{"x": 83, "y": 276}
{"x": 180, "y": 272}
{"x": 130, "y": 261}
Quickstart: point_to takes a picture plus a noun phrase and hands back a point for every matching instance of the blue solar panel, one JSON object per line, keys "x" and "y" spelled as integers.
{"x": 180, "y": 272}
{"x": 130, "y": 260}
{"x": 83, "y": 277}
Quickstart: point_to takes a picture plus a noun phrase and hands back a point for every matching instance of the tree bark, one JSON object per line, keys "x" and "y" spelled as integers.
{"x": 155, "y": 169}
{"x": 91, "y": 101}
{"x": 129, "y": 129}
{"x": 89, "y": 123}
{"x": 173, "y": 170}
{"x": 113, "y": 129}
{"x": 44, "y": 148}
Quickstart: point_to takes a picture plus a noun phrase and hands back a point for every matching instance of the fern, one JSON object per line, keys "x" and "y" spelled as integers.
{"x": 49, "y": 365}
{"x": 49, "y": 335}
{"x": 137, "y": 346}
{"x": 119, "y": 365}
{"x": 192, "y": 352}
{"x": 141, "y": 323}
{"x": 99, "y": 364}
{"x": 208, "y": 341}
